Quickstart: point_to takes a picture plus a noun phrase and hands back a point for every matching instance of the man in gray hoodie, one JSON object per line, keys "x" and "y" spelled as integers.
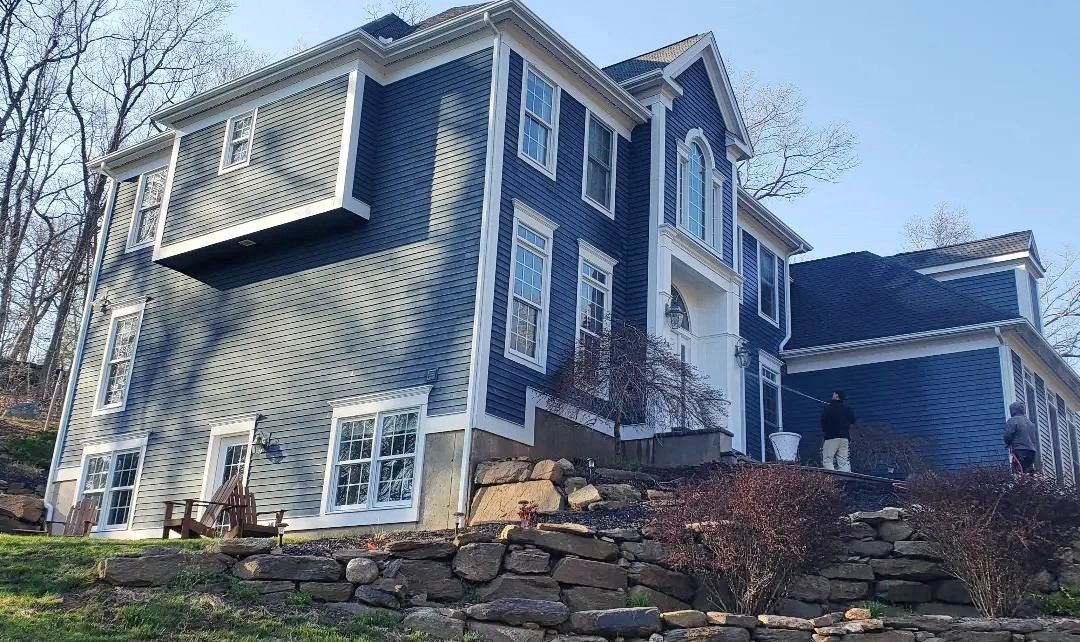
{"x": 1021, "y": 437}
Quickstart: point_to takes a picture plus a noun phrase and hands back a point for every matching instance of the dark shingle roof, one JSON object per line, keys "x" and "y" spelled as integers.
{"x": 980, "y": 249}
{"x": 860, "y": 296}
{"x": 646, "y": 62}
{"x": 393, "y": 27}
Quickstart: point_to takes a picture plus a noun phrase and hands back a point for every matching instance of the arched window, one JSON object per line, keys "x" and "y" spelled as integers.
{"x": 695, "y": 210}
{"x": 679, "y": 303}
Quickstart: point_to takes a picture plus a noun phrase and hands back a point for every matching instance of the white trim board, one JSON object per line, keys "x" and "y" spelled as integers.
{"x": 227, "y": 427}
{"x": 927, "y": 347}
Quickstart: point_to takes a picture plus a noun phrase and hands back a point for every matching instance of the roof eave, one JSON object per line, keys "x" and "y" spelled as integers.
{"x": 765, "y": 217}
{"x": 1041, "y": 347}
{"x": 808, "y": 351}
{"x": 153, "y": 145}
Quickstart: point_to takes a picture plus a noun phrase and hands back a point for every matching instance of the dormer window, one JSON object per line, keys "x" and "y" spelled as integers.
{"x": 539, "y": 121}
{"x": 239, "y": 131}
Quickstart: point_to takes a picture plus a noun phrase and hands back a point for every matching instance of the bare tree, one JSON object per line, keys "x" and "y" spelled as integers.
{"x": 626, "y": 375}
{"x": 411, "y": 11}
{"x": 947, "y": 225}
{"x": 1060, "y": 294}
{"x": 790, "y": 155}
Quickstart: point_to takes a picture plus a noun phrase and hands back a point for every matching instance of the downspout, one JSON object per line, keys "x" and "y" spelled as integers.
{"x": 472, "y": 412}
{"x": 787, "y": 295}
{"x": 80, "y": 344}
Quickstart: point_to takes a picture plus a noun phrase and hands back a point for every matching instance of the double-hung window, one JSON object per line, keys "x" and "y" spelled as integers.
{"x": 770, "y": 395}
{"x": 144, "y": 220}
{"x": 375, "y": 460}
{"x": 116, "y": 367}
{"x": 599, "y": 183}
{"x": 539, "y": 120}
{"x": 109, "y": 478}
{"x": 768, "y": 285}
{"x": 594, "y": 293}
{"x": 530, "y": 275}
{"x": 239, "y": 132}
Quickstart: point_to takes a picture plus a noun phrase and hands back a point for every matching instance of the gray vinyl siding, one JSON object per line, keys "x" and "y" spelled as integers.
{"x": 367, "y": 309}
{"x": 997, "y": 289}
{"x": 294, "y": 162}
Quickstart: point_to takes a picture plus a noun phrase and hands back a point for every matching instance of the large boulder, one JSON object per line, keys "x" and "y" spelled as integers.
{"x": 628, "y": 622}
{"x": 527, "y": 560}
{"x": 479, "y": 562}
{"x": 785, "y": 622}
{"x": 686, "y": 619}
{"x": 648, "y": 550}
{"x": 952, "y": 591}
{"x": 561, "y": 543}
{"x": 907, "y": 569}
{"x": 517, "y": 611}
{"x": 917, "y": 548}
{"x": 24, "y": 508}
{"x": 588, "y": 598}
{"x": 368, "y": 594}
{"x": 489, "y": 632}
{"x": 549, "y": 470}
{"x": 848, "y": 571}
{"x": 433, "y": 578}
{"x": 242, "y": 546}
{"x": 501, "y": 503}
{"x": 619, "y": 493}
{"x": 673, "y": 583}
{"x": 870, "y": 548}
{"x": 299, "y": 568}
{"x": 582, "y": 497}
{"x": 574, "y": 570}
{"x": 422, "y": 550}
{"x": 530, "y": 587}
{"x": 502, "y": 472}
{"x": 844, "y": 591}
{"x": 895, "y": 531}
{"x": 644, "y": 595}
{"x": 435, "y": 623}
{"x": 147, "y": 570}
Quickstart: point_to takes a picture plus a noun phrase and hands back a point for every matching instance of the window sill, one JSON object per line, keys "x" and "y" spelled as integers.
{"x": 225, "y": 169}
{"x": 525, "y": 361}
{"x": 543, "y": 169}
{"x": 773, "y": 322}
{"x": 610, "y": 213}
{"x": 135, "y": 248}
{"x": 109, "y": 410}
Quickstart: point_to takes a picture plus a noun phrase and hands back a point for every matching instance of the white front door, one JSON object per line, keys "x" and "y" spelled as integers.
{"x": 231, "y": 461}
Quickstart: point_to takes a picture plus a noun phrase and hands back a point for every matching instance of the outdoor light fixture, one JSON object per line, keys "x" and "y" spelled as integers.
{"x": 262, "y": 442}
{"x": 742, "y": 353}
{"x": 676, "y": 313}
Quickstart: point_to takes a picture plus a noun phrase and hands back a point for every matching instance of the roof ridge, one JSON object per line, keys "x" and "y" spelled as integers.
{"x": 1028, "y": 233}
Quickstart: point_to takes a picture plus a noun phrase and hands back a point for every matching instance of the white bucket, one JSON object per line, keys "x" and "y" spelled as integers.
{"x": 785, "y": 445}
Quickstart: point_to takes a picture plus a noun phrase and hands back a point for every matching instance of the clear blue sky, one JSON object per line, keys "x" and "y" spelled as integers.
{"x": 971, "y": 102}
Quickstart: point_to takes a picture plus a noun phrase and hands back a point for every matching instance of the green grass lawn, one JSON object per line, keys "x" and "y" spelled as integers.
{"x": 48, "y": 591}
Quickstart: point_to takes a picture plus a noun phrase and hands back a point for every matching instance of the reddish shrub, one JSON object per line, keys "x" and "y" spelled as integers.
{"x": 995, "y": 531}
{"x": 746, "y": 532}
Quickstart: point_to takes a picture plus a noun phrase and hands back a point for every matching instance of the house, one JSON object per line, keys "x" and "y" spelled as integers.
{"x": 935, "y": 345}
{"x": 353, "y": 273}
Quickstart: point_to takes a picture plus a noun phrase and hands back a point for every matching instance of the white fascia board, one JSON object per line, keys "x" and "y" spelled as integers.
{"x": 1041, "y": 357}
{"x": 772, "y": 223}
{"x": 1025, "y": 258}
{"x": 895, "y": 347}
{"x": 146, "y": 152}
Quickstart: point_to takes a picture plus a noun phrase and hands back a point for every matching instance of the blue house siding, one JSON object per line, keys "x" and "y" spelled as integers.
{"x": 561, "y": 202}
{"x": 636, "y": 259}
{"x": 997, "y": 289}
{"x": 365, "y": 309}
{"x": 953, "y": 400}
{"x": 697, "y": 108}
{"x": 760, "y": 334}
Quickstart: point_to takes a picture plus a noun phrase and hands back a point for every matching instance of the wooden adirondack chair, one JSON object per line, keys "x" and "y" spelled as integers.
{"x": 244, "y": 520}
{"x": 83, "y": 516}
{"x": 226, "y": 497}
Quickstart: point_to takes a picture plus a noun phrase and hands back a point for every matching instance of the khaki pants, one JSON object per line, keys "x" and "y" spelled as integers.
{"x": 834, "y": 455}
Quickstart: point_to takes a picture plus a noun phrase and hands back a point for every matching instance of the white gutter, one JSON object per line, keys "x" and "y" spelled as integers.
{"x": 480, "y": 313}
{"x": 900, "y": 338}
{"x": 80, "y": 345}
{"x": 787, "y": 310}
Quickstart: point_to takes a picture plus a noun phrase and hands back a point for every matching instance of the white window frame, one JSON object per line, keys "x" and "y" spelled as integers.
{"x": 714, "y": 191}
{"x": 99, "y": 400}
{"x": 767, "y": 361}
{"x": 587, "y": 253}
{"x": 776, "y": 283}
{"x": 240, "y": 425}
{"x": 375, "y": 405}
{"x": 112, "y": 449}
{"x": 545, "y": 227}
{"x": 136, "y": 213}
{"x": 549, "y": 167}
{"x": 227, "y": 141}
{"x": 608, "y": 210}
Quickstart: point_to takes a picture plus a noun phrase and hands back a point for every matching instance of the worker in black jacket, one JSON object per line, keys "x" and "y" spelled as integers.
{"x": 836, "y": 422}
